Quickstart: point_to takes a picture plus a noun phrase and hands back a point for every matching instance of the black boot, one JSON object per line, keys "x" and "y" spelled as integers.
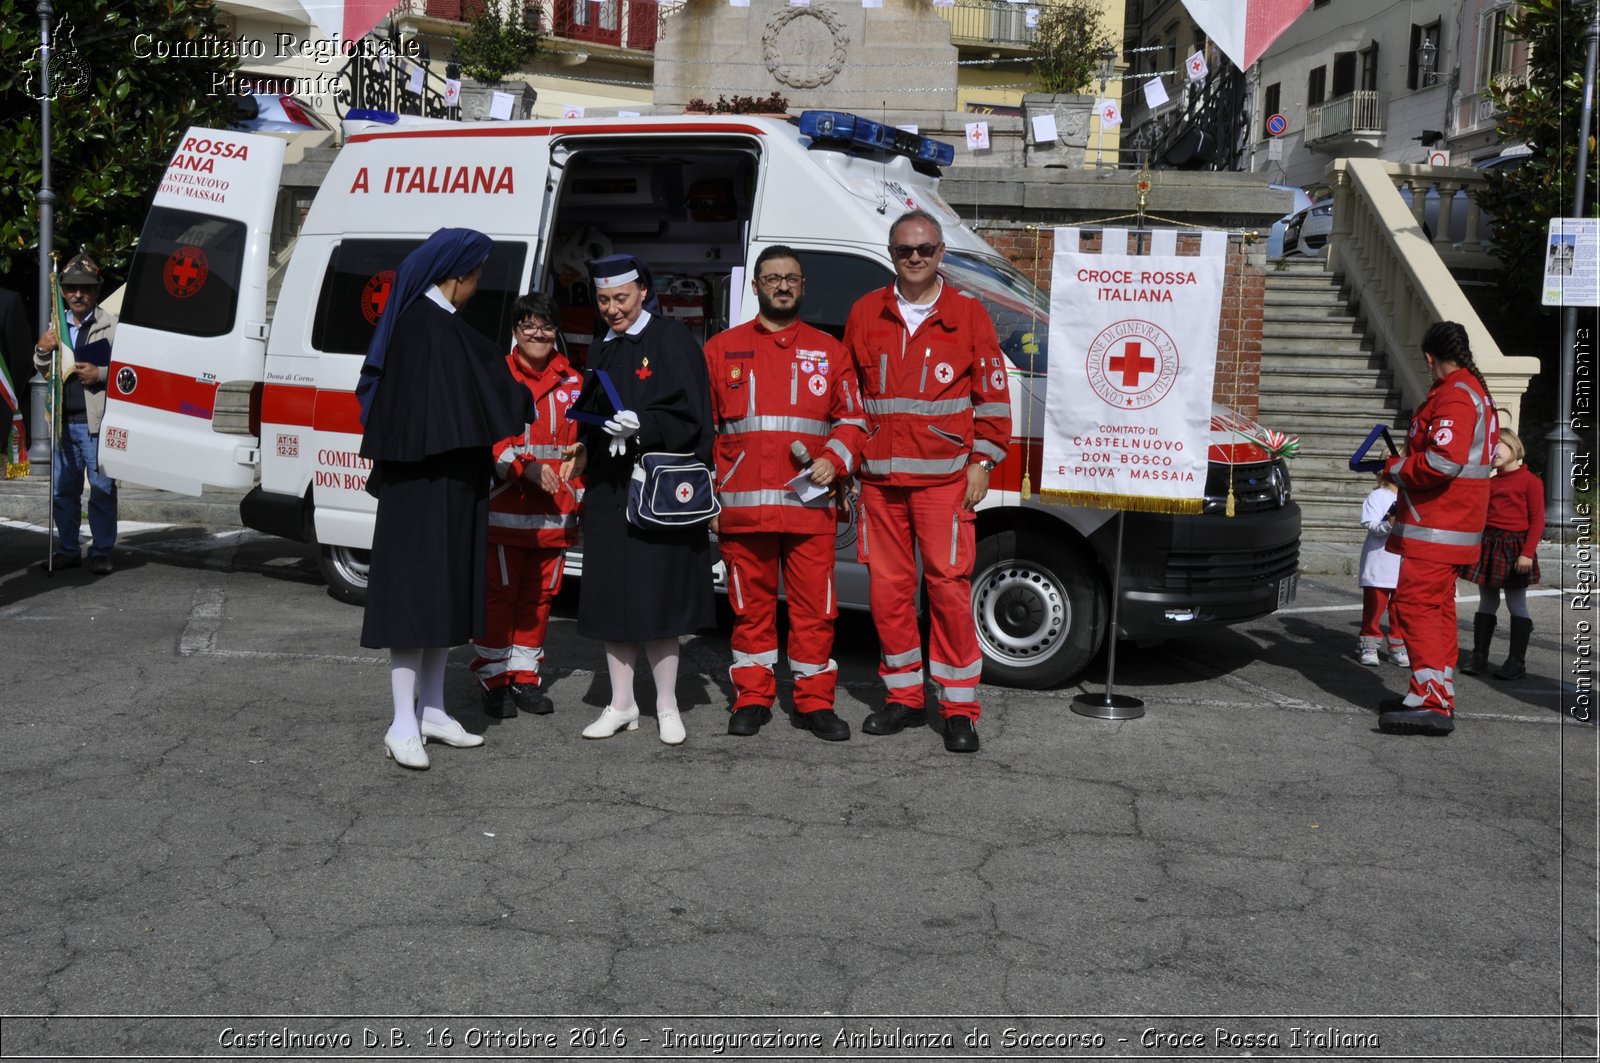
{"x": 1477, "y": 661}
{"x": 1521, "y": 631}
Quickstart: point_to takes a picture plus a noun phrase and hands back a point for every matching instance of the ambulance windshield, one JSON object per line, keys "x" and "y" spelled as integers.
{"x": 1020, "y": 311}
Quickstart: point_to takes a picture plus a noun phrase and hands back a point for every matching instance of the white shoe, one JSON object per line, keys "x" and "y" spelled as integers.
{"x": 1369, "y": 656}
{"x": 451, "y": 734}
{"x": 1400, "y": 658}
{"x": 406, "y": 752}
{"x": 670, "y": 726}
{"x": 610, "y": 721}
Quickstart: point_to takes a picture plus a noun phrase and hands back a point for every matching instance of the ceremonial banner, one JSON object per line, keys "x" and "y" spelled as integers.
{"x": 1133, "y": 356}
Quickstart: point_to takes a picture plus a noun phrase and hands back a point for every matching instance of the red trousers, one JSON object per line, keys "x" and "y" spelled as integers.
{"x": 754, "y": 560}
{"x": 519, "y": 585}
{"x": 1424, "y": 606}
{"x": 1374, "y": 603}
{"x": 897, "y": 523}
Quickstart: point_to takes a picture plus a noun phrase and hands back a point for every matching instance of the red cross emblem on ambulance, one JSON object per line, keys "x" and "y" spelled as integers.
{"x": 185, "y": 272}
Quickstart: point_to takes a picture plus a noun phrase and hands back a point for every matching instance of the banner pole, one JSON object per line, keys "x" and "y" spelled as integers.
{"x": 1110, "y": 705}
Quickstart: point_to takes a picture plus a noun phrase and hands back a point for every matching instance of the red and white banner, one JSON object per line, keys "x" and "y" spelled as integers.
{"x": 1133, "y": 356}
{"x": 1243, "y": 29}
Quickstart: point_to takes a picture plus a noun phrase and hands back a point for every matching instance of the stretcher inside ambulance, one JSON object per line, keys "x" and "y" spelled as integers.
{"x": 237, "y": 371}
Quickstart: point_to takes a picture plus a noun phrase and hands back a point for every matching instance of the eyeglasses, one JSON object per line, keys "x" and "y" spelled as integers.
{"x": 772, "y": 280}
{"x": 533, "y": 328}
{"x": 920, "y": 250}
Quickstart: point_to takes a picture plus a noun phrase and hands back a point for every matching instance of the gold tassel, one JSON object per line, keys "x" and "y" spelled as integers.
{"x": 1027, "y": 485}
{"x": 1229, "y": 509}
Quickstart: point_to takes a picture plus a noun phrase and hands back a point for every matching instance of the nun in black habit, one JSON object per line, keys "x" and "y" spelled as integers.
{"x": 435, "y": 396}
{"x": 640, "y": 586}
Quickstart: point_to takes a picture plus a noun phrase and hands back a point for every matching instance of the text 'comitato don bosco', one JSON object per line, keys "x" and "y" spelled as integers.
{"x": 1133, "y": 451}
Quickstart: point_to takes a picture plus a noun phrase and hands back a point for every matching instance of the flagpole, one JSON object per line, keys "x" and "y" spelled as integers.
{"x": 47, "y": 305}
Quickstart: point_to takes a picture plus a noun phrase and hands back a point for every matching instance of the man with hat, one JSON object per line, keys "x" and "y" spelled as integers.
{"x": 83, "y": 406}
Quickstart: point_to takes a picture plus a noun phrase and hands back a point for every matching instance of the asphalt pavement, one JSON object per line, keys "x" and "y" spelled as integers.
{"x": 206, "y": 853}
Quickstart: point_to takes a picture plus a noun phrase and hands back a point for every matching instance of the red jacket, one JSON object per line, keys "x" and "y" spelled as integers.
{"x": 520, "y": 513}
{"x": 768, "y": 391}
{"x": 937, "y": 400}
{"x": 1516, "y": 503}
{"x": 1444, "y": 476}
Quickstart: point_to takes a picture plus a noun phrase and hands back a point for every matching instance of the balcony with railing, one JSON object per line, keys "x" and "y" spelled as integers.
{"x": 991, "y": 24}
{"x": 1353, "y": 119}
{"x": 628, "y": 25}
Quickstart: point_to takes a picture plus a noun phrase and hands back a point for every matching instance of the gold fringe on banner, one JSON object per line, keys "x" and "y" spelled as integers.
{"x": 1130, "y": 503}
{"x": 17, "y": 470}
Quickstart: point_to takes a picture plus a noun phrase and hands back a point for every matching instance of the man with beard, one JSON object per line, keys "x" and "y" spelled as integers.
{"x": 787, "y": 409}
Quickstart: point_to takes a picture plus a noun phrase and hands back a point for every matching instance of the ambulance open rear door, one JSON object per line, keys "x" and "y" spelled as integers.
{"x": 194, "y": 320}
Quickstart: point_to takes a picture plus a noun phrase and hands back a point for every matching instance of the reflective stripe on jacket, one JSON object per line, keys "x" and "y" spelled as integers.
{"x": 1444, "y": 476}
{"x": 522, "y": 513}
{"x": 770, "y": 390}
{"x": 938, "y": 399}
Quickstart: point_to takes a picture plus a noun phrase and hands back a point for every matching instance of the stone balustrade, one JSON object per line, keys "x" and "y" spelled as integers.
{"x": 1396, "y": 252}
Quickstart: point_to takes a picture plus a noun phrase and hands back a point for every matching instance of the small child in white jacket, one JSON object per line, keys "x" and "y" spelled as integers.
{"x": 1380, "y": 571}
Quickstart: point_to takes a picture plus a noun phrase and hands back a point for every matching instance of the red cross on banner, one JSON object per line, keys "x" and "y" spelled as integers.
{"x": 1131, "y": 364}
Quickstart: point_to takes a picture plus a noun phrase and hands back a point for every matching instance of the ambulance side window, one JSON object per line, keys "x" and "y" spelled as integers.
{"x": 355, "y": 289}
{"x": 184, "y": 277}
{"x": 833, "y": 284}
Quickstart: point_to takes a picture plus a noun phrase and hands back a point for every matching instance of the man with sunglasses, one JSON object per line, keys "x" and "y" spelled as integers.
{"x": 786, "y": 405}
{"x": 938, "y": 405}
{"x": 83, "y": 406}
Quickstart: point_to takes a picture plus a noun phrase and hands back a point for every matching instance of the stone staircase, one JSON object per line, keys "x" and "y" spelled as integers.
{"x": 1322, "y": 381}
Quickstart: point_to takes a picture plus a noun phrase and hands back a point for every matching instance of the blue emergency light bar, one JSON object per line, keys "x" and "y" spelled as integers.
{"x": 371, "y": 114}
{"x": 837, "y": 127}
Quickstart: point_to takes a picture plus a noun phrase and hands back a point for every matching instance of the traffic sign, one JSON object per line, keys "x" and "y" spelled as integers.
{"x": 1277, "y": 124}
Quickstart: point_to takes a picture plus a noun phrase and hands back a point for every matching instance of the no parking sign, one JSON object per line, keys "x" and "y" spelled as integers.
{"x": 1277, "y": 124}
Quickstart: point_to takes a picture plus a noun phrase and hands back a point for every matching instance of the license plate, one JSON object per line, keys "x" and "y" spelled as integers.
{"x": 1286, "y": 589}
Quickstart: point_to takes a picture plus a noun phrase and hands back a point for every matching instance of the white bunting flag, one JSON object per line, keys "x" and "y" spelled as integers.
{"x": 627, "y": 114}
{"x": 738, "y": 3}
{"x": 414, "y": 83}
{"x": 1044, "y": 128}
{"x": 1155, "y": 93}
{"x": 977, "y": 136}
{"x": 872, "y": 3}
{"x": 1133, "y": 354}
{"x": 1030, "y": 18}
{"x": 572, "y": 110}
{"x": 452, "y": 92}
{"x": 944, "y": 3}
{"x": 1196, "y": 65}
{"x": 1110, "y": 114}
{"x": 500, "y": 104}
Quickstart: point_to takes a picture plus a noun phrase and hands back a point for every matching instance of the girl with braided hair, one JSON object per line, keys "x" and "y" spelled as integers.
{"x": 1443, "y": 482}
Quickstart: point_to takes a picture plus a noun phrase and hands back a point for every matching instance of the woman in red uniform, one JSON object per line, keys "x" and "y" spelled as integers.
{"x": 1444, "y": 502}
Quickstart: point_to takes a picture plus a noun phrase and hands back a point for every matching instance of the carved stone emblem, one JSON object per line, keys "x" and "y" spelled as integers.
{"x": 805, "y": 47}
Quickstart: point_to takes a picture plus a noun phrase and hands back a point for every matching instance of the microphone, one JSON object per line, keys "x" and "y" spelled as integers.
{"x": 798, "y": 451}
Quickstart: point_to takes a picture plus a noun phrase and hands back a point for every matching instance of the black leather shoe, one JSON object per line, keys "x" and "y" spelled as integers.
{"x": 100, "y": 566}
{"x": 748, "y": 719}
{"x": 58, "y": 561}
{"x": 500, "y": 702}
{"x": 960, "y": 735}
{"x": 530, "y": 698}
{"x": 892, "y": 719}
{"x": 1404, "y": 719}
{"x": 825, "y": 724}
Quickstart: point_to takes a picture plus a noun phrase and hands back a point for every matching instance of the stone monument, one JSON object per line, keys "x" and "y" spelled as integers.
{"x": 820, "y": 54}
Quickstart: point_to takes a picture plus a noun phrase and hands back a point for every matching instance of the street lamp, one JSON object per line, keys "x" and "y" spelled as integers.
{"x": 1427, "y": 55}
{"x": 1108, "y": 67}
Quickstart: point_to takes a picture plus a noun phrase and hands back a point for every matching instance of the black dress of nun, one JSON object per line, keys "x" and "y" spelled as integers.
{"x": 446, "y": 398}
{"x": 641, "y": 585}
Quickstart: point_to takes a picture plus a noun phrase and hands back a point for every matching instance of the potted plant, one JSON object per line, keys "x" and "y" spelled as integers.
{"x": 499, "y": 41}
{"x": 1070, "y": 46}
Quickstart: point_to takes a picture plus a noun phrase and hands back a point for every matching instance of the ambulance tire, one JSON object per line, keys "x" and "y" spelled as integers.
{"x": 345, "y": 571}
{"x": 1040, "y": 610}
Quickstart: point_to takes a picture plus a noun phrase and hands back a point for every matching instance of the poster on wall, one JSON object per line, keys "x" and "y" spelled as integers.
{"x": 1133, "y": 356}
{"x": 1572, "y": 263}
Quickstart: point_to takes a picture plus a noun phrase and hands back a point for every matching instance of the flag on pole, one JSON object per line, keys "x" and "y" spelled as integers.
{"x": 1243, "y": 29}
{"x": 16, "y": 456}
{"x": 68, "y": 359}
{"x": 977, "y": 136}
{"x": 1196, "y": 65}
{"x": 1110, "y": 114}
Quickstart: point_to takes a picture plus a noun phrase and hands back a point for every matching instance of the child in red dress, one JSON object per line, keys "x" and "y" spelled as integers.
{"x": 1509, "y": 559}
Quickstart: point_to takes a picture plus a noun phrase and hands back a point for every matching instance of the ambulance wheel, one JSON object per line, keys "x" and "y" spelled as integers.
{"x": 1039, "y": 609}
{"x": 345, "y": 570}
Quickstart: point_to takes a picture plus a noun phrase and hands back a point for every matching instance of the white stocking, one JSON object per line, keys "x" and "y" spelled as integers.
{"x": 430, "y": 685}
{"x": 620, "y": 657}
{"x": 663, "y": 657}
{"x": 403, "y": 668}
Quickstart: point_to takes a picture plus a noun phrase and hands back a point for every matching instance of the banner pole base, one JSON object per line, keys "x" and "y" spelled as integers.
{"x": 1108, "y": 706}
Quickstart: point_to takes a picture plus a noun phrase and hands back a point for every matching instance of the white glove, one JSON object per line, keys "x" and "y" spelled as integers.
{"x": 623, "y": 425}
{"x": 617, "y": 446}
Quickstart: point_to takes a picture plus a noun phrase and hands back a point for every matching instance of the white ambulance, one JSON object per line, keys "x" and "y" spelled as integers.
{"x": 234, "y": 371}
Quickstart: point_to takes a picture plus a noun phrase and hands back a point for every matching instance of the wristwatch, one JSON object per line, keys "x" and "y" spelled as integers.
{"x": 988, "y": 466}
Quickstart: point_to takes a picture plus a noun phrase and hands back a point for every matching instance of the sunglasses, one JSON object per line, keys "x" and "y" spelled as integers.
{"x": 920, "y": 250}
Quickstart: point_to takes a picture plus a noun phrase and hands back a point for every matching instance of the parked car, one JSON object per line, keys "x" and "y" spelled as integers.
{"x": 272, "y": 112}
{"x": 1308, "y": 230}
{"x": 1275, "y": 236}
